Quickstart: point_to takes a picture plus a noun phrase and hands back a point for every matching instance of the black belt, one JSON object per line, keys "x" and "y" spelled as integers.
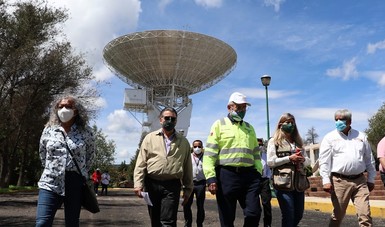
{"x": 350, "y": 177}
{"x": 239, "y": 169}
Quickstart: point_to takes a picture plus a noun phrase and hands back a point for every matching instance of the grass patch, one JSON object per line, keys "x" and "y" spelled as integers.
{"x": 13, "y": 189}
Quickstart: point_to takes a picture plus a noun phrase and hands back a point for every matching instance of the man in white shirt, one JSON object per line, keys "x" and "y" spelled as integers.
{"x": 345, "y": 154}
{"x": 199, "y": 187}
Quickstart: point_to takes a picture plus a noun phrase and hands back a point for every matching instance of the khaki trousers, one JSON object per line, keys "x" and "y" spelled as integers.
{"x": 346, "y": 190}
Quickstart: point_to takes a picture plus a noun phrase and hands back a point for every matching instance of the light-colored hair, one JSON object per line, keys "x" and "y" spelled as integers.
{"x": 279, "y": 135}
{"x": 344, "y": 113}
{"x": 81, "y": 119}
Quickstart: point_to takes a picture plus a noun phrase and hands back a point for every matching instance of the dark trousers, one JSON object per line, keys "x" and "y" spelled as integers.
{"x": 200, "y": 194}
{"x": 382, "y": 177}
{"x": 266, "y": 198}
{"x": 96, "y": 187}
{"x": 49, "y": 202}
{"x": 164, "y": 196}
{"x": 243, "y": 187}
{"x": 104, "y": 188}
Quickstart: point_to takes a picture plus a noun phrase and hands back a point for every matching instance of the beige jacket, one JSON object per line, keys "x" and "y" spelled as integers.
{"x": 153, "y": 161}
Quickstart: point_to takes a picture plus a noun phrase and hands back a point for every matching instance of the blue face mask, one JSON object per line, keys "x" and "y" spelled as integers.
{"x": 340, "y": 125}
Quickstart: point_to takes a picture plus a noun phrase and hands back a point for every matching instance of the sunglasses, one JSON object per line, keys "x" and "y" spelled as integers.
{"x": 66, "y": 106}
{"x": 169, "y": 118}
{"x": 197, "y": 146}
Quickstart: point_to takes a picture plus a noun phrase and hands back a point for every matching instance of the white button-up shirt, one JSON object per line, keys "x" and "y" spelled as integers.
{"x": 347, "y": 155}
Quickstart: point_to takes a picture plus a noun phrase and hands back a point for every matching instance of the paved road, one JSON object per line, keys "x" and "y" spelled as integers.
{"x": 122, "y": 208}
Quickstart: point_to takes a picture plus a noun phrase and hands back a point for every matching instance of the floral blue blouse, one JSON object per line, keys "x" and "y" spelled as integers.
{"x": 56, "y": 159}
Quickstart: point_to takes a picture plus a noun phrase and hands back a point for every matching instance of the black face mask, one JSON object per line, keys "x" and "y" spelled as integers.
{"x": 168, "y": 125}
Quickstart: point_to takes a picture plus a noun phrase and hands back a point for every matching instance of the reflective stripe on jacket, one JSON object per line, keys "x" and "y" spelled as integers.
{"x": 231, "y": 144}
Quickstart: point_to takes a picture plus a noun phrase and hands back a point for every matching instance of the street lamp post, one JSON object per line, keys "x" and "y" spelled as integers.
{"x": 266, "y": 82}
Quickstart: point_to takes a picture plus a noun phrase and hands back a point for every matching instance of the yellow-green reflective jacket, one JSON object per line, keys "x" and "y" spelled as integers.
{"x": 231, "y": 144}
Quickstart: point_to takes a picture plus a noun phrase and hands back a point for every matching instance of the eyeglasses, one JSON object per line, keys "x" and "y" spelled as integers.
{"x": 169, "y": 118}
{"x": 197, "y": 146}
{"x": 66, "y": 106}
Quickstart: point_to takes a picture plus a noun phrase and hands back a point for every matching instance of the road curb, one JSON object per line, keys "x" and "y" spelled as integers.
{"x": 324, "y": 205}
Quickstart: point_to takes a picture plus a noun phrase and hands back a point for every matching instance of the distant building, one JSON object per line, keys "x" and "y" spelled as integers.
{"x": 312, "y": 151}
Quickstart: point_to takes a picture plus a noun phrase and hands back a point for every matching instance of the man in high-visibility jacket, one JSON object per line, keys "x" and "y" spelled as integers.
{"x": 232, "y": 164}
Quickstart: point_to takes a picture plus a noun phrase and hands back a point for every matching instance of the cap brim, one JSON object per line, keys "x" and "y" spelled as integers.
{"x": 248, "y": 104}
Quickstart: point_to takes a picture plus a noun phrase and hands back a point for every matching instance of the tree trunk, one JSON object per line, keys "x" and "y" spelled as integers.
{"x": 4, "y": 171}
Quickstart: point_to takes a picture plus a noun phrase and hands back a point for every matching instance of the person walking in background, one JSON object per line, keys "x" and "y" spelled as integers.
{"x": 163, "y": 168}
{"x": 199, "y": 187}
{"x": 286, "y": 148}
{"x": 105, "y": 182}
{"x": 381, "y": 158}
{"x": 232, "y": 164}
{"x": 60, "y": 181}
{"x": 96, "y": 178}
{"x": 345, "y": 154}
{"x": 265, "y": 186}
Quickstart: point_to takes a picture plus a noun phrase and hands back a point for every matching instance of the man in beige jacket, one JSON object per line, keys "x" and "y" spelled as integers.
{"x": 162, "y": 169}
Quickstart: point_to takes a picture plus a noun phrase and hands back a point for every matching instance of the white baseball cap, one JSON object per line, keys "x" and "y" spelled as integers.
{"x": 238, "y": 98}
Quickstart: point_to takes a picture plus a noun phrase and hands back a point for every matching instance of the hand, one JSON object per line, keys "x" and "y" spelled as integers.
{"x": 138, "y": 192}
{"x": 185, "y": 199}
{"x": 328, "y": 188}
{"x": 213, "y": 188}
{"x": 370, "y": 186}
{"x": 297, "y": 158}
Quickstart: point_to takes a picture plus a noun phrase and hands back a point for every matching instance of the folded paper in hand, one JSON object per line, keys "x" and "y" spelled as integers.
{"x": 146, "y": 198}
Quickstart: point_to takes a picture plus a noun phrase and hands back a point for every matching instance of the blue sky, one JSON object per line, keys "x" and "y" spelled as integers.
{"x": 321, "y": 55}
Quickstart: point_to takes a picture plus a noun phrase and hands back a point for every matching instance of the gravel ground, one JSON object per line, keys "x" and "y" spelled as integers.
{"x": 123, "y": 208}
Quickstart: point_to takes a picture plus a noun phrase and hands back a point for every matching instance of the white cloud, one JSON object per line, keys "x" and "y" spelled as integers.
{"x": 377, "y": 76}
{"x": 261, "y": 93}
{"x": 275, "y": 3}
{"x": 346, "y": 71}
{"x": 124, "y": 131}
{"x": 209, "y": 3}
{"x": 102, "y": 73}
{"x": 119, "y": 121}
{"x": 372, "y": 48}
{"x": 100, "y": 102}
{"x": 92, "y": 24}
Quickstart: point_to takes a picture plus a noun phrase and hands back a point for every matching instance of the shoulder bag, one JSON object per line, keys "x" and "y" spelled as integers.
{"x": 89, "y": 201}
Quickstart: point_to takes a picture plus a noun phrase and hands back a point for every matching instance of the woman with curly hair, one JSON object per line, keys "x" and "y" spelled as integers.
{"x": 60, "y": 181}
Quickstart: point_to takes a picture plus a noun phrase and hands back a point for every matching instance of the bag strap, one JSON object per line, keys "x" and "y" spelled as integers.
{"x": 72, "y": 156}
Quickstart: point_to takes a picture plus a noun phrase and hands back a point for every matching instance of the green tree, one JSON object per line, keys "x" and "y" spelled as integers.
{"x": 311, "y": 136}
{"x": 34, "y": 67}
{"x": 105, "y": 151}
{"x": 376, "y": 130}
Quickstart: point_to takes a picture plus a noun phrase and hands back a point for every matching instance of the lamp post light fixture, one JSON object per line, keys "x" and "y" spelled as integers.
{"x": 266, "y": 82}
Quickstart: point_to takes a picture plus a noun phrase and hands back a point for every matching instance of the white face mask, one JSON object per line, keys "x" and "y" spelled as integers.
{"x": 197, "y": 150}
{"x": 65, "y": 114}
